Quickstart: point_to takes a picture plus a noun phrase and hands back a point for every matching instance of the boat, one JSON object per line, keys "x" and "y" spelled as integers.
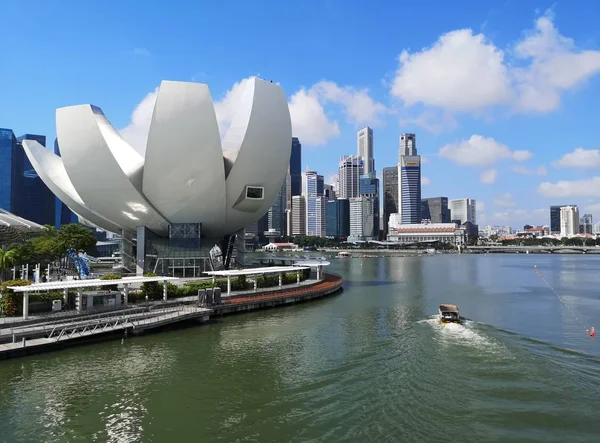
{"x": 449, "y": 313}
{"x": 344, "y": 254}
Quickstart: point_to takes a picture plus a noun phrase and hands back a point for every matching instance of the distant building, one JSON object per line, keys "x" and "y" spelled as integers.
{"x": 329, "y": 192}
{"x": 435, "y": 209}
{"x": 313, "y": 190}
{"x": 463, "y": 210}
{"x": 362, "y": 218}
{"x": 295, "y": 168}
{"x": 298, "y": 215}
{"x": 364, "y": 149}
{"x": 277, "y": 212}
{"x": 390, "y": 196}
{"x": 350, "y": 169}
{"x": 569, "y": 221}
{"x": 409, "y": 180}
{"x": 338, "y": 218}
{"x": 555, "y": 218}
{"x": 586, "y": 224}
{"x": 426, "y": 233}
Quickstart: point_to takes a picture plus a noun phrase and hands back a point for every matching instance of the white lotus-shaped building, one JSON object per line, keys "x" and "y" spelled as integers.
{"x": 188, "y": 173}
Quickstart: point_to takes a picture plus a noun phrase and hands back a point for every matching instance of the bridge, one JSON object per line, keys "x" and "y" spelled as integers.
{"x": 536, "y": 249}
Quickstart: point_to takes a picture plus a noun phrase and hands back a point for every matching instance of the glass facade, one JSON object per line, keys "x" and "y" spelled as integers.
{"x": 34, "y": 201}
{"x": 276, "y": 214}
{"x": 338, "y": 218}
{"x": 410, "y": 189}
{"x": 296, "y": 167}
{"x": 435, "y": 210}
{"x": 8, "y": 147}
{"x": 390, "y": 195}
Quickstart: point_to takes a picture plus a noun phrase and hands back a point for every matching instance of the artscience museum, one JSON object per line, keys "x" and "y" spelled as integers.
{"x": 179, "y": 206}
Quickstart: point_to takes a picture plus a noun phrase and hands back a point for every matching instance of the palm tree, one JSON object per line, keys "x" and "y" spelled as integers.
{"x": 8, "y": 258}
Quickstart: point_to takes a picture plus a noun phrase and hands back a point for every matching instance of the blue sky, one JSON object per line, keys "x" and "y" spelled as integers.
{"x": 504, "y": 96}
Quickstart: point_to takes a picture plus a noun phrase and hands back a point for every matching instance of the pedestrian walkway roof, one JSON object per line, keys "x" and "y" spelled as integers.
{"x": 256, "y": 271}
{"x": 86, "y": 283}
{"x": 14, "y": 221}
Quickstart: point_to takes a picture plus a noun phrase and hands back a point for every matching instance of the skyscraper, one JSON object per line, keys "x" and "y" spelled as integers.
{"x": 463, "y": 210}
{"x": 364, "y": 149}
{"x": 390, "y": 195}
{"x": 586, "y": 224}
{"x": 312, "y": 191}
{"x": 350, "y": 169}
{"x": 277, "y": 215}
{"x": 296, "y": 167}
{"x": 338, "y": 218}
{"x": 555, "y": 218}
{"x": 369, "y": 190}
{"x": 569, "y": 221}
{"x": 298, "y": 215}
{"x": 409, "y": 180}
{"x": 435, "y": 210}
{"x": 8, "y": 147}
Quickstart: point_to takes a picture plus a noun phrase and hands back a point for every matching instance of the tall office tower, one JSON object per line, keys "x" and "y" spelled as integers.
{"x": 409, "y": 180}
{"x": 369, "y": 189}
{"x": 338, "y": 218}
{"x": 296, "y": 167}
{"x": 312, "y": 191}
{"x": 298, "y": 215}
{"x": 435, "y": 210}
{"x": 555, "y": 218}
{"x": 362, "y": 217}
{"x": 63, "y": 215}
{"x": 586, "y": 224}
{"x": 350, "y": 169}
{"x": 8, "y": 185}
{"x": 329, "y": 192}
{"x": 390, "y": 196}
{"x": 596, "y": 229}
{"x": 569, "y": 221}
{"x": 364, "y": 149}
{"x": 277, "y": 217}
{"x": 463, "y": 210}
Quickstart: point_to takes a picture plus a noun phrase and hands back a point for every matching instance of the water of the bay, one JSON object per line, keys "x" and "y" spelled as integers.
{"x": 368, "y": 365}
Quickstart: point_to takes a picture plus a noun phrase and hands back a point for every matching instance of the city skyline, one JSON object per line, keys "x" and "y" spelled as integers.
{"x": 514, "y": 145}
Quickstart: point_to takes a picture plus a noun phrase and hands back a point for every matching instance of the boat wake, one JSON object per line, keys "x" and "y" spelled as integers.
{"x": 465, "y": 334}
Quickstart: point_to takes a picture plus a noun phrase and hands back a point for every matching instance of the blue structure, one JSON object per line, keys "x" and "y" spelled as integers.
{"x": 63, "y": 215}
{"x": 410, "y": 189}
{"x": 337, "y": 223}
{"x": 296, "y": 167}
{"x": 8, "y": 148}
{"x": 368, "y": 186}
{"x": 22, "y": 191}
{"x": 80, "y": 261}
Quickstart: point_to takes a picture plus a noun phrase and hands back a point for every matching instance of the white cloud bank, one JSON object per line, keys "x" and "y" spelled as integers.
{"x": 480, "y": 151}
{"x": 580, "y": 158}
{"x": 465, "y": 72}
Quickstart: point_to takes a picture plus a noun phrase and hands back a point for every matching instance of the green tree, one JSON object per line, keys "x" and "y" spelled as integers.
{"x": 8, "y": 258}
{"x": 76, "y": 236}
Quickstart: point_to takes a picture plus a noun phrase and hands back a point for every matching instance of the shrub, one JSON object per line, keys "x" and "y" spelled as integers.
{"x": 151, "y": 289}
{"x": 110, "y": 277}
{"x": 10, "y": 301}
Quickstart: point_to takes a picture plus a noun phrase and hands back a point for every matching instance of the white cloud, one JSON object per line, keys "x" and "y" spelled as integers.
{"x": 310, "y": 120}
{"x": 480, "y": 151}
{"x": 488, "y": 177}
{"x": 360, "y": 108}
{"x": 575, "y": 188}
{"x": 504, "y": 200}
{"x": 520, "y": 217}
{"x": 520, "y": 169}
{"x": 580, "y": 158}
{"x": 460, "y": 72}
{"x": 425, "y": 181}
{"x": 465, "y": 72}
{"x": 431, "y": 121}
{"x": 136, "y": 132}
{"x": 310, "y": 123}
{"x": 593, "y": 208}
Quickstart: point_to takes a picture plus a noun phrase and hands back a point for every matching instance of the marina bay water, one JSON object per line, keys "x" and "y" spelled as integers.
{"x": 368, "y": 365}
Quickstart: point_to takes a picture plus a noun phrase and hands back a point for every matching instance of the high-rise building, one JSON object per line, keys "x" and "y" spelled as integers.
{"x": 569, "y": 221}
{"x": 276, "y": 214}
{"x": 329, "y": 192}
{"x": 338, "y": 218}
{"x": 390, "y": 195}
{"x": 350, "y": 169}
{"x": 555, "y": 218}
{"x": 408, "y": 145}
{"x": 312, "y": 190}
{"x": 63, "y": 215}
{"x": 409, "y": 180}
{"x": 586, "y": 224}
{"x": 295, "y": 169}
{"x": 362, "y": 219}
{"x": 8, "y": 148}
{"x": 369, "y": 188}
{"x": 463, "y": 210}
{"x": 596, "y": 229}
{"x": 435, "y": 209}
{"x": 364, "y": 149}
{"x": 298, "y": 215}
